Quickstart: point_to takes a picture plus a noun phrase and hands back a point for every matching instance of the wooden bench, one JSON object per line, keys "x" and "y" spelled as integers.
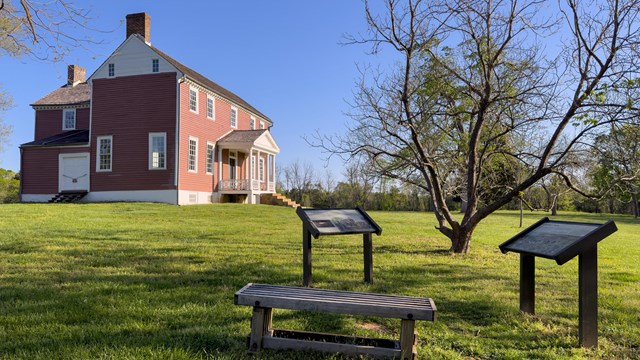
{"x": 264, "y": 298}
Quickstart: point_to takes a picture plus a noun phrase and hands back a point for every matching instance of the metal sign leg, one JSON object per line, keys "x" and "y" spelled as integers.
{"x": 588, "y": 298}
{"x": 306, "y": 258}
{"x": 368, "y": 258}
{"x": 527, "y": 283}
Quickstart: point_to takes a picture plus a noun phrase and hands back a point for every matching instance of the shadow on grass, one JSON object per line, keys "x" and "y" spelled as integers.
{"x": 150, "y": 302}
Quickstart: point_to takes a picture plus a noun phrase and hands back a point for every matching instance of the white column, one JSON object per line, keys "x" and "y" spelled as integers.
{"x": 219, "y": 167}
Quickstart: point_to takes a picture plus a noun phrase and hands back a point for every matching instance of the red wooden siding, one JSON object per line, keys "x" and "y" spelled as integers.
{"x": 49, "y": 122}
{"x": 129, "y": 108}
{"x": 40, "y": 169}
{"x": 205, "y": 129}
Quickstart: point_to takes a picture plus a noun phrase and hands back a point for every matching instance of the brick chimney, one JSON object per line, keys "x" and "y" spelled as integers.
{"x": 76, "y": 75}
{"x": 139, "y": 23}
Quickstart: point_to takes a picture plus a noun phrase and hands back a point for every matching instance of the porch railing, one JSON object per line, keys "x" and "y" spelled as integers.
{"x": 243, "y": 185}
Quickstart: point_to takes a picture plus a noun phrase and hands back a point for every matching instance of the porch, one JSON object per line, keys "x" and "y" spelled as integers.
{"x": 246, "y": 165}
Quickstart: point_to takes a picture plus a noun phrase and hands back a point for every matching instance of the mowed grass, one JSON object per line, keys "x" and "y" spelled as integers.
{"x": 151, "y": 281}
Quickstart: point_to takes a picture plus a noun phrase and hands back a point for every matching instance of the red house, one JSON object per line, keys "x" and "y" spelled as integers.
{"x": 144, "y": 127}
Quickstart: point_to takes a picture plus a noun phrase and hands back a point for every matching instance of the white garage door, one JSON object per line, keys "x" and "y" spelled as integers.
{"x": 74, "y": 172}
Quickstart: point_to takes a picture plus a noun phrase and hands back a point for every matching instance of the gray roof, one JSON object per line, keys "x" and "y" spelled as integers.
{"x": 242, "y": 136}
{"x": 67, "y": 95}
{"x": 67, "y": 138}
{"x": 204, "y": 81}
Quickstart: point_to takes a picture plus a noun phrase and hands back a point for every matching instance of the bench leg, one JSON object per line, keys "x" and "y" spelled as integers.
{"x": 260, "y": 327}
{"x": 408, "y": 339}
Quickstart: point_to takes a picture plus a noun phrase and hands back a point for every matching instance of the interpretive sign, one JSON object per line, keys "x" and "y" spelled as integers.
{"x": 318, "y": 222}
{"x": 558, "y": 240}
{"x": 562, "y": 241}
{"x": 338, "y": 221}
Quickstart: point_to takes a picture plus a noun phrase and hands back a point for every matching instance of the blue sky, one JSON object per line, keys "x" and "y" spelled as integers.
{"x": 284, "y": 57}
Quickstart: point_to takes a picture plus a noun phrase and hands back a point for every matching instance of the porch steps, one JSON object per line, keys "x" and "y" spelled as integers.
{"x": 68, "y": 197}
{"x": 278, "y": 200}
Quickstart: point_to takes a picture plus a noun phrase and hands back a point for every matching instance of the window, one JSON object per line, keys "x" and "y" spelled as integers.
{"x": 252, "y": 123}
{"x": 193, "y": 154}
{"x": 155, "y": 65}
{"x": 270, "y": 168}
{"x": 253, "y": 166}
{"x": 104, "y": 153}
{"x": 193, "y": 99}
{"x": 234, "y": 117}
{"x": 157, "y": 151}
{"x": 261, "y": 125}
{"x": 261, "y": 169}
{"x": 210, "y": 108}
{"x": 68, "y": 119}
{"x": 210, "y": 154}
{"x": 112, "y": 70}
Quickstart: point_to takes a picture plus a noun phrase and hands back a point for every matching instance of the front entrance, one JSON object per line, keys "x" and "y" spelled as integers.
{"x": 74, "y": 172}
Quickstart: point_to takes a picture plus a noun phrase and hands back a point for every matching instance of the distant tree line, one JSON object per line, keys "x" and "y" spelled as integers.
{"x": 361, "y": 187}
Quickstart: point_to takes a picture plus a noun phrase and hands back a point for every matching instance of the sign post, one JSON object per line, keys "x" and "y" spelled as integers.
{"x": 319, "y": 222}
{"x": 562, "y": 241}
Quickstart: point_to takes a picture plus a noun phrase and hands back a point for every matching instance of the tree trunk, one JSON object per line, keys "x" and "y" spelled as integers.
{"x": 521, "y": 211}
{"x": 636, "y": 208}
{"x": 554, "y": 206}
{"x": 461, "y": 239}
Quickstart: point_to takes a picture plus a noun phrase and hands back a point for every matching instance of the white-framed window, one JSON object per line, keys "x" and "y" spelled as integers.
{"x": 104, "y": 155}
{"x": 252, "y": 123}
{"x": 261, "y": 169}
{"x": 112, "y": 69}
{"x": 270, "y": 167}
{"x": 193, "y": 154}
{"x": 69, "y": 119}
{"x": 210, "y": 155}
{"x": 261, "y": 124}
{"x": 155, "y": 65}
{"x": 157, "y": 151}
{"x": 211, "y": 108}
{"x": 193, "y": 99}
{"x": 253, "y": 166}
{"x": 234, "y": 117}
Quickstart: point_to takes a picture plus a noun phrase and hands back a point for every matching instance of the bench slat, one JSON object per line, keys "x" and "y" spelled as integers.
{"x": 336, "y": 301}
{"x": 328, "y": 347}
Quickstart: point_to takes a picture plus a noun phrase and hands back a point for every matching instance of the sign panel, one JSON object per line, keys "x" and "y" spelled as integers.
{"x": 558, "y": 240}
{"x": 338, "y": 221}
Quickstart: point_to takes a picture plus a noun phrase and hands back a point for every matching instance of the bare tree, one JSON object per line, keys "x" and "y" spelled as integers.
{"x": 44, "y": 29}
{"x": 41, "y": 29}
{"x": 477, "y": 97}
{"x": 299, "y": 178}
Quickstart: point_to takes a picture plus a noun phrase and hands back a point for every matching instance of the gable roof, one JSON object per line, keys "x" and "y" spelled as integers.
{"x": 67, "y": 138}
{"x": 204, "y": 81}
{"x": 67, "y": 95}
{"x": 242, "y": 136}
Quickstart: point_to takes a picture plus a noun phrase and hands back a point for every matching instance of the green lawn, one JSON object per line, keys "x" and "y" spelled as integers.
{"x": 149, "y": 281}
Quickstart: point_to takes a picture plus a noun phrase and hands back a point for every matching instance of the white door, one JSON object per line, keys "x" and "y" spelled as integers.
{"x": 74, "y": 172}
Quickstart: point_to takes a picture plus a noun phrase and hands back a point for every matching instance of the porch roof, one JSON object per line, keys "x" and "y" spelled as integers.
{"x": 67, "y": 138}
{"x": 247, "y": 139}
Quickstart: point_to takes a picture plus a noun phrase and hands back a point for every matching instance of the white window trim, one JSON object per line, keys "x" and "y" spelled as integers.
{"x": 252, "y": 124}
{"x": 262, "y": 125}
{"x": 189, "y": 155}
{"x": 233, "y": 108}
{"x": 261, "y": 169}
{"x": 213, "y": 107}
{"x": 193, "y": 88}
{"x": 110, "y": 137}
{"x": 213, "y": 158}
{"x": 75, "y": 119}
{"x": 151, "y": 136}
